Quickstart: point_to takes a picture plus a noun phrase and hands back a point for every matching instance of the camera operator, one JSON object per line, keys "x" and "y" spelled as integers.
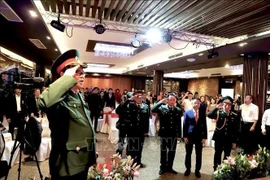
{"x": 134, "y": 119}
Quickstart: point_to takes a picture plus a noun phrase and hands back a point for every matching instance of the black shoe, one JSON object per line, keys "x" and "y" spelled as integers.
{"x": 161, "y": 171}
{"x": 197, "y": 174}
{"x": 142, "y": 165}
{"x": 29, "y": 158}
{"x": 172, "y": 171}
{"x": 187, "y": 172}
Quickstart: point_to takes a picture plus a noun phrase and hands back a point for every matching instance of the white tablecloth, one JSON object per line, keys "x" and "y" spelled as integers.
{"x": 7, "y": 153}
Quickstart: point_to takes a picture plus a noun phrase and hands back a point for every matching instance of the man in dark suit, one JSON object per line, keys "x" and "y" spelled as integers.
{"x": 93, "y": 104}
{"x": 16, "y": 111}
{"x": 195, "y": 133}
{"x": 134, "y": 117}
{"x": 170, "y": 131}
{"x": 110, "y": 99}
{"x": 33, "y": 108}
{"x": 73, "y": 137}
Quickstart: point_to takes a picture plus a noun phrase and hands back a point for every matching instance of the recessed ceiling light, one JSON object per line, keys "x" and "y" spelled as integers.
{"x": 227, "y": 66}
{"x": 269, "y": 54}
{"x": 241, "y": 54}
{"x": 242, "y": 44}
{"x": 92, "y": 65}
{"x": 48, "y": 37}
{"x": 200, "y": 54}
{"x": 33, "y": 13}
{"x": 191, "y": 59}
{"x": 56, "y": 49}
{"x": 157, "y": 64}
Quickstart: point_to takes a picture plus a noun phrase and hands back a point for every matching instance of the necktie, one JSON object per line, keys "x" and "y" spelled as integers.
{"x": 196, "y": 115}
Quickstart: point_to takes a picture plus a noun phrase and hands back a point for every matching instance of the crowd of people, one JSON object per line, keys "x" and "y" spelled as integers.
{"x": 184, "y": 116}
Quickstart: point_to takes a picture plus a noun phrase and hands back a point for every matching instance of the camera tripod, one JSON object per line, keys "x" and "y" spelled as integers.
{"x": 20, "y": 141}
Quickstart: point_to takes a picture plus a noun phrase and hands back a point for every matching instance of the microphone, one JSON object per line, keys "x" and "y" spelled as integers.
{"x": 35, "y": 79}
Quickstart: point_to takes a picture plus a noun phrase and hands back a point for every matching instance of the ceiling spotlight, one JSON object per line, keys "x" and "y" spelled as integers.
{"x": 200, "y": 54}
{"x": 191, "y": 59}
{"x": 135, "y": 42}
{"x": 213, "y": 53}
{"x": 167, "y": 37}
{"x": 57, "y": 24}
{"x": 100, "y": 28}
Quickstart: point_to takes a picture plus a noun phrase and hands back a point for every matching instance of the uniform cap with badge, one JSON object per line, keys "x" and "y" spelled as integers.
{"x": 69, "y": 58}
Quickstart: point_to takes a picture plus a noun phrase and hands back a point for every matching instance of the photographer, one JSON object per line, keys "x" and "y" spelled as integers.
{"x": 134, "y": 119}
{"x": 225, "y": 134}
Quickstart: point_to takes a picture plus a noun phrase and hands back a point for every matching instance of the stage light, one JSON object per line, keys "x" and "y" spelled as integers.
{"x": 167, "y": 37}
{"x": 154, "y": 36}
{"x": 135, "y": 42}
{"x": 99, "y": 28}
{"x": 57, "y": 24}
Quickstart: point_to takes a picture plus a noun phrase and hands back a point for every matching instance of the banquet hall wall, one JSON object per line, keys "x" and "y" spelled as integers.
{"x": 209, "y": 86}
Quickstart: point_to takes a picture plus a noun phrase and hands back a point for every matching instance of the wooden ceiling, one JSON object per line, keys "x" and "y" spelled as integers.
{"x": 222, "y": 18}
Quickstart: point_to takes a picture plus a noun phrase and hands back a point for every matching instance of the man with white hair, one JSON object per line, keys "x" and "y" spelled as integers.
{"x": 195, "y": 133}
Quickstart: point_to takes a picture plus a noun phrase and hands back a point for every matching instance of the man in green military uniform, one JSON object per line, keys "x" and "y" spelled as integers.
{"x": 134, "y": 118}
{"x": 73, "y": 139}
{"x": 225, "y": 135}
{"x": 169, "y": 132}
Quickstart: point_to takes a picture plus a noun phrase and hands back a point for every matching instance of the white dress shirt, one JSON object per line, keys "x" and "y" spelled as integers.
{"x": 18, "y": 102}
{"x": 250, "y": 113}
{"x": 265, "y": 119}
{"x": 187, "y": 104}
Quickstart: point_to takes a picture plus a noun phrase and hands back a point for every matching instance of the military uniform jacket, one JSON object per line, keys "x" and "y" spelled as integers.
{"x": 170, "y": 120}
{"x": 133, "y": 117}
{"x": 226, "y": 124}
{"x": 73, "y": 138}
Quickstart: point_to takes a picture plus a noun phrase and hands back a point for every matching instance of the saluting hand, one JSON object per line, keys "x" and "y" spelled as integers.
{"x": 164, "y": 101}
{"x": 71, "y": 71}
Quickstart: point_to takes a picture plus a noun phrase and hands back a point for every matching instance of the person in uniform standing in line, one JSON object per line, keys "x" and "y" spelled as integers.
{"x": 225, "y": 134}
{"x": 170, "y": 131}
{"x": 73, "y": 137}
{"x": 134, "y": 115}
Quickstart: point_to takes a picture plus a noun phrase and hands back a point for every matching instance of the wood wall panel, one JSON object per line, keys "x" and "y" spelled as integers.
{"x": 120, "y": 82}
{"x": 204, "y": 86}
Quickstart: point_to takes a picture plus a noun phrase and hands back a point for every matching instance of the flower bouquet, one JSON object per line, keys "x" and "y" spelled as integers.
{"x": 244, "y": 167}
{"x": 114, "y": 169}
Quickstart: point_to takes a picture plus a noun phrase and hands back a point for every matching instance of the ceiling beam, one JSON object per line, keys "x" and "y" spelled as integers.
{"x": 73, "y": 7}
{"x": 101, "y": 9}
{"x": 80, "y": 7}
{"x": 161, "y": 12}
{"x": 53, "y": 5}
{"x": 45, "y": 5}
{"x": 141, "y": 16}
{"x": 131, "y": 10}
{"x": 116, "y": 10}
{"x": 144, "y": 5}
{"x": 197, "y": 14}
{"x": 94, "y": 9}
{"x": 189, "y": 9}
{"x": 151, "y": 13}
{"x": 169, "y": 14}
{"x": 88, "y": 7}
{"x": 123, "y": 10}
{"x": 66, "y": 6}
{"x": 227, "y": 15}
{"x": 110, "y": 9}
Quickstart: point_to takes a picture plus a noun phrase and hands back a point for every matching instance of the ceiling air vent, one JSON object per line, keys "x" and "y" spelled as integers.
{"x": 38, "y": 43}
{"x": 8, "y": 12}
{"x": 175, "y": 55}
